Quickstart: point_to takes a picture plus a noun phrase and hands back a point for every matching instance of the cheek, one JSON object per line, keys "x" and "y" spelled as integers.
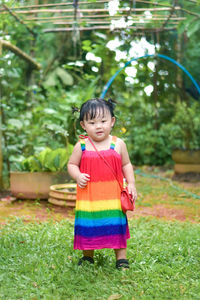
{"x": 87, "y": 128}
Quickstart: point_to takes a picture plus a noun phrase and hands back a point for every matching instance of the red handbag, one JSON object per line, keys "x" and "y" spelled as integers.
{"x": 127, "y": 201}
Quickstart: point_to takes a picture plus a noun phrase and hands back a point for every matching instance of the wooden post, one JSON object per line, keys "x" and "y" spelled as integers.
{"x": 1, "y": 154}
{"x": 155, "y": 80}
{"x": 179, "y": 57}
{"x": 179, "y": 79}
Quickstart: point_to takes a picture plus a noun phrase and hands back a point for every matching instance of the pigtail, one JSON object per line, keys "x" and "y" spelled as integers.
{"x": 75, "y": 109}
{"x": 111, "y": 103}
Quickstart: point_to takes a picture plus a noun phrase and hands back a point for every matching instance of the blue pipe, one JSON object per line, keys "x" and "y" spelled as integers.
{"x": 108, "y": 84}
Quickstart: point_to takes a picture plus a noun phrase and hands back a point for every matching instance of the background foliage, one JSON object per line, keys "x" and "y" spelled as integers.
{"x": 36, "y": 107}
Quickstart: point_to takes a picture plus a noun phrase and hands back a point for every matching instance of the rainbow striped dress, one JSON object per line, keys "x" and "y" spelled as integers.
{"x": 99, "y": 220}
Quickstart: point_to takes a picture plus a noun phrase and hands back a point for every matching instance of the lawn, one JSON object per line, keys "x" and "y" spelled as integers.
{"x": 166, "y": 198}
{"x": 38, "y": 262}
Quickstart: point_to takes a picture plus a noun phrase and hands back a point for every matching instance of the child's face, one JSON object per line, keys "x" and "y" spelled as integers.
{"x": 100, "y": 127}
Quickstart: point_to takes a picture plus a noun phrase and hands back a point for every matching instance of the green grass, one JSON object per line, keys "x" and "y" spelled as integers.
{"x": 37, "y": 261}
{"x": 158, "y": 192}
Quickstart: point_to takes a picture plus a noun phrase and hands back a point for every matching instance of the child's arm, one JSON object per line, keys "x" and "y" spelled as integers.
{"x": 127, "y": 169}
{"x": 73, "y": 167}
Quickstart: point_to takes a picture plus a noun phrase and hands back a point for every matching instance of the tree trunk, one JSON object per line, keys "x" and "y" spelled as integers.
{"x": 155, "y": 80}
{"x": 1, "y": 154}
{"x": 20, "y": 53}
{"x": 179, "y": 79}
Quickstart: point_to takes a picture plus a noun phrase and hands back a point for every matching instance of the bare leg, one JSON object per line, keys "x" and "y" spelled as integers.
{"x": 121, "y": 261}
{"x": 120, "y": 253}
{"x": 89, "y": 253}
{"x": 87, "y": 256}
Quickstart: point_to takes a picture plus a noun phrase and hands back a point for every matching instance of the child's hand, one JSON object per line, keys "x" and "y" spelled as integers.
{"x": 132, "y": 190}
{"x": 82, "y": 180}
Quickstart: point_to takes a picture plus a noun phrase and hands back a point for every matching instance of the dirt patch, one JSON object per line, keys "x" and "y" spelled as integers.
{"x": 187, "y": 177}
{"x": 40, "y": 211}
{"x": 32, "y": 210}
{"x": 160, "y": 211}
{"x": 44, "y": 211}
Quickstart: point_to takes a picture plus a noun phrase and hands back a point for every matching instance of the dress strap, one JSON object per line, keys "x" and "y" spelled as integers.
{"x": 113, "y": 142}
{"x": 82, "y": 142}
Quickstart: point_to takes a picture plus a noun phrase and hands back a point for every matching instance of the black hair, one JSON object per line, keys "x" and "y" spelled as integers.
{"x": 90, "y": 108}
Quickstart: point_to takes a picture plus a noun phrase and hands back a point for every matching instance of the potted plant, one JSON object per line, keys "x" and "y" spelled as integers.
{"x": 33, "y": 177}
{"x": 184, "y": 137}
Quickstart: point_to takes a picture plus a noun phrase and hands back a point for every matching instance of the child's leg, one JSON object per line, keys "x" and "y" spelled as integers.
{"x": 121, "y": 261}
{"x": 120, "y": 253}
{"x": 89, "y": 253}
{"x": 87, "y": 256}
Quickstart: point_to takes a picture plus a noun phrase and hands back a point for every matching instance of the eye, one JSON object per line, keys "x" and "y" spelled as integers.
{"x": 91, "y": 122}
{"x": 103, "y": 121}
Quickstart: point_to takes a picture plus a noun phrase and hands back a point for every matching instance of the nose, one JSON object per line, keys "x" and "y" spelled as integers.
{"x": 98, "y": 125}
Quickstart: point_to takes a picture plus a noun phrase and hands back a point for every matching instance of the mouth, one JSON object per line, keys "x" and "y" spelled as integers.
{"x": 99, "y": 132}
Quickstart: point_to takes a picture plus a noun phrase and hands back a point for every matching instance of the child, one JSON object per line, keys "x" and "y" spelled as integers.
{"x": 99, "y": 220}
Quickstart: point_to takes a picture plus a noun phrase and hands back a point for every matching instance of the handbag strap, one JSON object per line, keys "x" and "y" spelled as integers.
{"x": 103, "y": 158}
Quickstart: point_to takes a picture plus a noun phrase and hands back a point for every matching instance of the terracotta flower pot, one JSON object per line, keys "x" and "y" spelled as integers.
{"x": 186, "y": 161}
{"x": 36, "y": 185}
{"x": 63, "y": 194}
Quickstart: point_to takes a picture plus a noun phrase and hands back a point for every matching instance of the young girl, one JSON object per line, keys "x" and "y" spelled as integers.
{"x": 99, "y": 220}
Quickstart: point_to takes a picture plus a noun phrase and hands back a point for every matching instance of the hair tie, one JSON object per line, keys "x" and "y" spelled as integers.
{"x": 111, "y": 103}
{"x": 75, "y": 109}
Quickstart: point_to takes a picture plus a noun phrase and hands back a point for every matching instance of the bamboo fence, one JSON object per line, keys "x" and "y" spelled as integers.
{"x": 95, "y": 15}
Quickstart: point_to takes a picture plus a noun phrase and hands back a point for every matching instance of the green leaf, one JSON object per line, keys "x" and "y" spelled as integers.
{"x": 57, "y": 129}
{"x": 60, "y": 158}
{"x": 57, "y": 162}
{"x": 15, "y": 123}
{"x": 65, "y": 77}
{"x": 182, "y": 27}
{"x": 53, "y": 160}
{"x": 13, "y": 73}
{"x": 31, "y": 164}
{"x": 43, "y": 156}
{"x": 49, "y": 161}
{"x": 193, "y": 27}
{"x": 46, "y": 160}
{"x": 101, "y": 35}
{"x": 87, "y": 45}
{"x": 51, "y": 80}
{"x": 50, "y": 111}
